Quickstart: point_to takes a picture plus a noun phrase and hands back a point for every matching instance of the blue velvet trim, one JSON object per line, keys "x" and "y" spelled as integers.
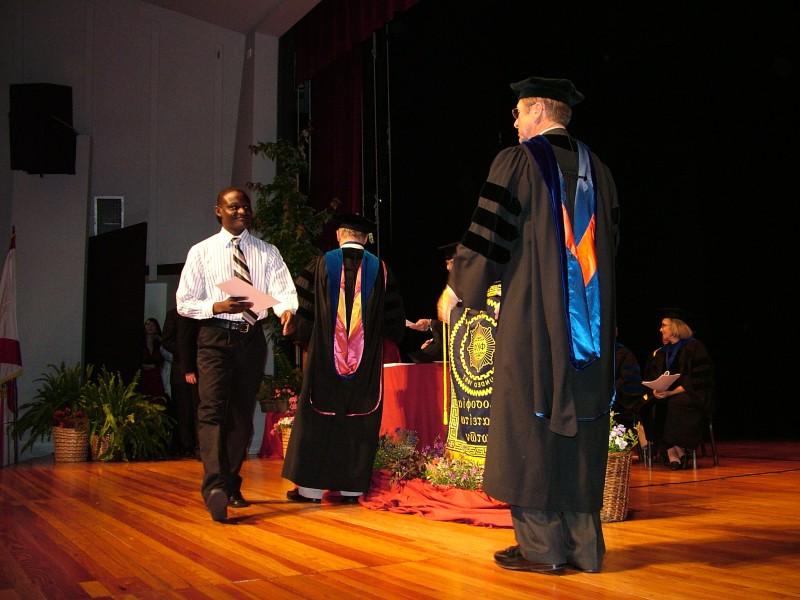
{"x": 369, "y": 271}
{"x": 581, "y": 302}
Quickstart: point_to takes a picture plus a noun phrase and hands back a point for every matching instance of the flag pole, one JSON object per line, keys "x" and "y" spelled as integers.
{"x": 10, "y": 356}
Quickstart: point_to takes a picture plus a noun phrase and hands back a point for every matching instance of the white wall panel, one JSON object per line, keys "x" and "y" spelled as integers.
{"x": 156, "y": 97}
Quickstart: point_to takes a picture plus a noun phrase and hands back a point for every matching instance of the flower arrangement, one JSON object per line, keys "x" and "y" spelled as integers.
{"x": 286, "y": 420}
{"x": 283, "y": 423}
{"x": 399, "y": 455}
{"x": 70, "y": 418}
{"x": 620, "y": 438}
{"x": 455, "y": 472}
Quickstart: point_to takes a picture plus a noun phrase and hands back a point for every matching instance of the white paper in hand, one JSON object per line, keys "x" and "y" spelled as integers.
{"x": 663, "y": 382}
{"x": 239, "y": 287}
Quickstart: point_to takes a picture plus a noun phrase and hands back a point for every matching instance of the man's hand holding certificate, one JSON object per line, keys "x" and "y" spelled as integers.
{"x": 240, "y": 289}
{"x": 663, "y": 382}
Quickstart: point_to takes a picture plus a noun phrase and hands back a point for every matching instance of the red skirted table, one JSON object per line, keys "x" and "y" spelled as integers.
{"x": 412, "y": 400}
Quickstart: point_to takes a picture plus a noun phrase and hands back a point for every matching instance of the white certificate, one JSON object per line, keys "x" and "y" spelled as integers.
{"x": 663, "y": 382}
{"x": 242, "y": 289}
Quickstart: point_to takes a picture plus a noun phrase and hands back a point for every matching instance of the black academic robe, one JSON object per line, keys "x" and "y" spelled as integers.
{"x": 677, "y": 420}
{"x": 336, "y": 451}
{"x": 628, "y": 386}
{"x": 554, "y": 460}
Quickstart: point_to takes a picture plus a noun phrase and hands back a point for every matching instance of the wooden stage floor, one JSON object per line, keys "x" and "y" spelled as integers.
{"x": 139, "y": 530}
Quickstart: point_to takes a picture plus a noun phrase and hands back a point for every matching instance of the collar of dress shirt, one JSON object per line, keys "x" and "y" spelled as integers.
{"x": 556, "y": 129}
{"x": 227, "y": 236}
{"x": 355, "y": 245}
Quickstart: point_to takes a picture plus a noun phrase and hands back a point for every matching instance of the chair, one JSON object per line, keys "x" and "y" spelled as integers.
{"x": 703, "y": 446}
{"x": 646, "y": 453}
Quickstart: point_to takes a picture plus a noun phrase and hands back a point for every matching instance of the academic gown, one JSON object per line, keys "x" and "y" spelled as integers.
{"x": 677, "y": 420}
{"x": 548, "y": 435}
{"x": 336, "y": 451}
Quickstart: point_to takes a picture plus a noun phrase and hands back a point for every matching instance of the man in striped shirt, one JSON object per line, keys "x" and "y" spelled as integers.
{"x": 230, "y": 351}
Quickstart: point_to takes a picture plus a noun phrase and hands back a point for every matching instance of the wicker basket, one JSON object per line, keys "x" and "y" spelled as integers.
{"x": 286, "y": 433}
{"x": 71, "y": 445}
{"x": 615, "y": 492}
{"x": 99, "y": 445}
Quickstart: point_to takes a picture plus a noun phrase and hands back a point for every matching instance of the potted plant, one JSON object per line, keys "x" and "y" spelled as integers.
{"x": 278, "y": 395}
{"x": 278, "y": 392}
{"x": 125, "y": 424}
{"x": 283, "y": 426}
{"x": 57, "y": 411}
{"x": 621, "y": 441}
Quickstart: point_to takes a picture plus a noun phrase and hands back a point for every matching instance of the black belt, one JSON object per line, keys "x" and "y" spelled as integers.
{"x": 237, "y": 326}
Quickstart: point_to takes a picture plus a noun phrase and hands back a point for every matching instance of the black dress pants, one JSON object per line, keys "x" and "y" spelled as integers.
{"x": 182, "y": 407}
{"x": 560, "y": 537}
{"x": 230, "y": 369}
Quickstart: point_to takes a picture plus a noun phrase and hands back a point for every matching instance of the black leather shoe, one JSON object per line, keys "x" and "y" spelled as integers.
{"x": 348, "y": 499}
{"x": 581, "y": 569}
{"x": 236, "y": 500}
{"x": 295, "y": 496}
{"x": 510, "y": 552}
{"x": 217, "y": 503}
{"x": 520, "y": 563}
{"x": 675, "y": 465}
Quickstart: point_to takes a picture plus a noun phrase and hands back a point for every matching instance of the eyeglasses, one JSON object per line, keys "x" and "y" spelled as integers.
{"x": 515, "y": 110}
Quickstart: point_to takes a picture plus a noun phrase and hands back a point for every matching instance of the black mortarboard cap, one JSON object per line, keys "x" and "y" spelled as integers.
{"x": 448, "y": 250}
{"x": 562, "y": 90}
{"x": 676, "y": 312}
{"x": 354, "y": 222}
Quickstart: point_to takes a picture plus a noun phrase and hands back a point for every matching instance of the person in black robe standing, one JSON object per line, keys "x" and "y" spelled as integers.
{"x": 180, "y": 339}
{"x": 545, "y": 226}
{"x": 432, "y": 349}
{"x": 629, "y": 391}
{"x": 348, "y": 305}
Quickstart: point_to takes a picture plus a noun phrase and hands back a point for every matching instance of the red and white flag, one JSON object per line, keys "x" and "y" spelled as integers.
{"x": 10, "y": 356}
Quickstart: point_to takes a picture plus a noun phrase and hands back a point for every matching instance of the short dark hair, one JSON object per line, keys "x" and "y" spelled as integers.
{"x": 228, "y": 190}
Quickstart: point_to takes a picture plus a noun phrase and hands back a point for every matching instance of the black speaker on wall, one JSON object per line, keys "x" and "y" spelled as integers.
{"x": 40, "y": 126}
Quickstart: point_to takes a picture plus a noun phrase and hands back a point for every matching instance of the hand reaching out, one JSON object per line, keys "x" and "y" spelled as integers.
{"x": 420, "y": 325}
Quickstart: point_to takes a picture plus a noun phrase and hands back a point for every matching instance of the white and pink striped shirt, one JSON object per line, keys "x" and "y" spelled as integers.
{"x": 211, "y": 262}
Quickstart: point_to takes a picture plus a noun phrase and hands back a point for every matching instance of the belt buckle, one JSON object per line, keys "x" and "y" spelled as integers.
{"x": 243, "y": 327}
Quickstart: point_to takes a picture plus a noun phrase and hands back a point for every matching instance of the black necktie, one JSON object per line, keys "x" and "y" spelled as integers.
{"x": 241, "y": 271}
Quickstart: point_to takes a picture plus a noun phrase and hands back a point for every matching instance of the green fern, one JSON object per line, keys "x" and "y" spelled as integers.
{"x": 136, "y": 427}
{"x": 60, "y": 389}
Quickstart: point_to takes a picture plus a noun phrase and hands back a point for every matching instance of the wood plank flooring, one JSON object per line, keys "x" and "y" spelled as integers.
{"x": 139, "y": 530}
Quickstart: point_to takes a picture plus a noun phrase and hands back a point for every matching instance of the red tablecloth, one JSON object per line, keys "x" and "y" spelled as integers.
{"x": 412, "y": 399}
{"x": 418, "y": 497}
